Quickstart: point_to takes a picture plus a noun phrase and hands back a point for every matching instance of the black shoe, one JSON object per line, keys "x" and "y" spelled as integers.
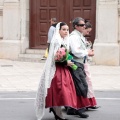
{"x": 81, "y": 114}
{"x": 71, "y": 111}
{"x": 93, "y": 107}
{"x": 65, "y": 108}
{"x": 56, "y": 116}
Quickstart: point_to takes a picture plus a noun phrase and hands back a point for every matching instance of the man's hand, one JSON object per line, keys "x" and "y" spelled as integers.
{"x": 69, "y": 63}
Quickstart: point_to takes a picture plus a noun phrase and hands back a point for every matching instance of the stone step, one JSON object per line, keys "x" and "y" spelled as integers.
{"x": 35, "y": 51}
{"x": 38, "y": 56}
{"x": 32, "y": 55}
{"x": 31, "y": 58}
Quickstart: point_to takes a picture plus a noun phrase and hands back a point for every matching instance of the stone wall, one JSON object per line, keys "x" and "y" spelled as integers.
{"x": 13, "y": 28}
{"x": 106, "y": 44}
{"x": 1, "y": 19}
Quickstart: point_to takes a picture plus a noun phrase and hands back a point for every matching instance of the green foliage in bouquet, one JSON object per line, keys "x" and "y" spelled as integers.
{"x": 62, "y": 55}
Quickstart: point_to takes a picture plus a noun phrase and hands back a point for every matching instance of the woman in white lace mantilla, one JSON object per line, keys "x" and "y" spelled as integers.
{"x": 56, "y": 87}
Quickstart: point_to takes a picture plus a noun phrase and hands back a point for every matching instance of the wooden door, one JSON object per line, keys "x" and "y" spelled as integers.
{"x": 64, "y": 10}
{"x": 87, "y": 10}
{"x": 40, "y": 13}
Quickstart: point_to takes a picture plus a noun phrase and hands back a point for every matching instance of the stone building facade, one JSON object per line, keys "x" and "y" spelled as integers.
{"x": 14, "y": 30}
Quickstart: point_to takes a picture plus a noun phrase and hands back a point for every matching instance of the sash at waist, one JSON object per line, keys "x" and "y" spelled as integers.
{"x": 79, "y": 60}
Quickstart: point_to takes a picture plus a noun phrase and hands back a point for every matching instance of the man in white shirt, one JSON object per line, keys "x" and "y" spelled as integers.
{"x": 77, "y": 41}
{"x": 79, "y": 52}
{"x": 51, "y": 30}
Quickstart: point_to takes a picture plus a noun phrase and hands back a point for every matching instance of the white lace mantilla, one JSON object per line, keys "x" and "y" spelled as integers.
{"x": 48, "y": 73}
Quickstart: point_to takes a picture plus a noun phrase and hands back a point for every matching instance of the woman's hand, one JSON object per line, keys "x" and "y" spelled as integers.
{"x": 69, "y": 63}
{"x": 91, "y": 52}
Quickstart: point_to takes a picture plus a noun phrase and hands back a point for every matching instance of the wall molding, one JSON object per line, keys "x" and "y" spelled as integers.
{"x": 1, "y": 12}
{"x": 1, "y": 37}
{"x": 118, "y": 10}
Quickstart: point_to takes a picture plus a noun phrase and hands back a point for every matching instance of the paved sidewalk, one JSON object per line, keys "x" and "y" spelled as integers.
{"x": 24, "y": 76}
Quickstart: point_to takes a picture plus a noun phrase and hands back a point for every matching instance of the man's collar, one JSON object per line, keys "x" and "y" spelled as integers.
{"x": 78, "y": 32}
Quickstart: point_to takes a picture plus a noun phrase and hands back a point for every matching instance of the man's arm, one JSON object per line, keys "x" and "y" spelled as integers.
{"x": 50, "y": 33}
{"x": 75, "y": 47}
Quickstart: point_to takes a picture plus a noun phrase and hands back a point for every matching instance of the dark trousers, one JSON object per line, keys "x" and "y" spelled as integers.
{"x": 48, "y": 47}
{"x": 79, "y": 78}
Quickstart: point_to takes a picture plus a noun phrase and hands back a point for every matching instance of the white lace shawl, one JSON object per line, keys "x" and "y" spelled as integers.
{"x": 48, "y": 72}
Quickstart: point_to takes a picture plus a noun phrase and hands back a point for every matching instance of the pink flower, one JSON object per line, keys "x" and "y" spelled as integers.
{"x": 60, "y": 54}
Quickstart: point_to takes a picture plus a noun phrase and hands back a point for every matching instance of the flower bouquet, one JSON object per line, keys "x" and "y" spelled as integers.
{"x": 62, "y": 55}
